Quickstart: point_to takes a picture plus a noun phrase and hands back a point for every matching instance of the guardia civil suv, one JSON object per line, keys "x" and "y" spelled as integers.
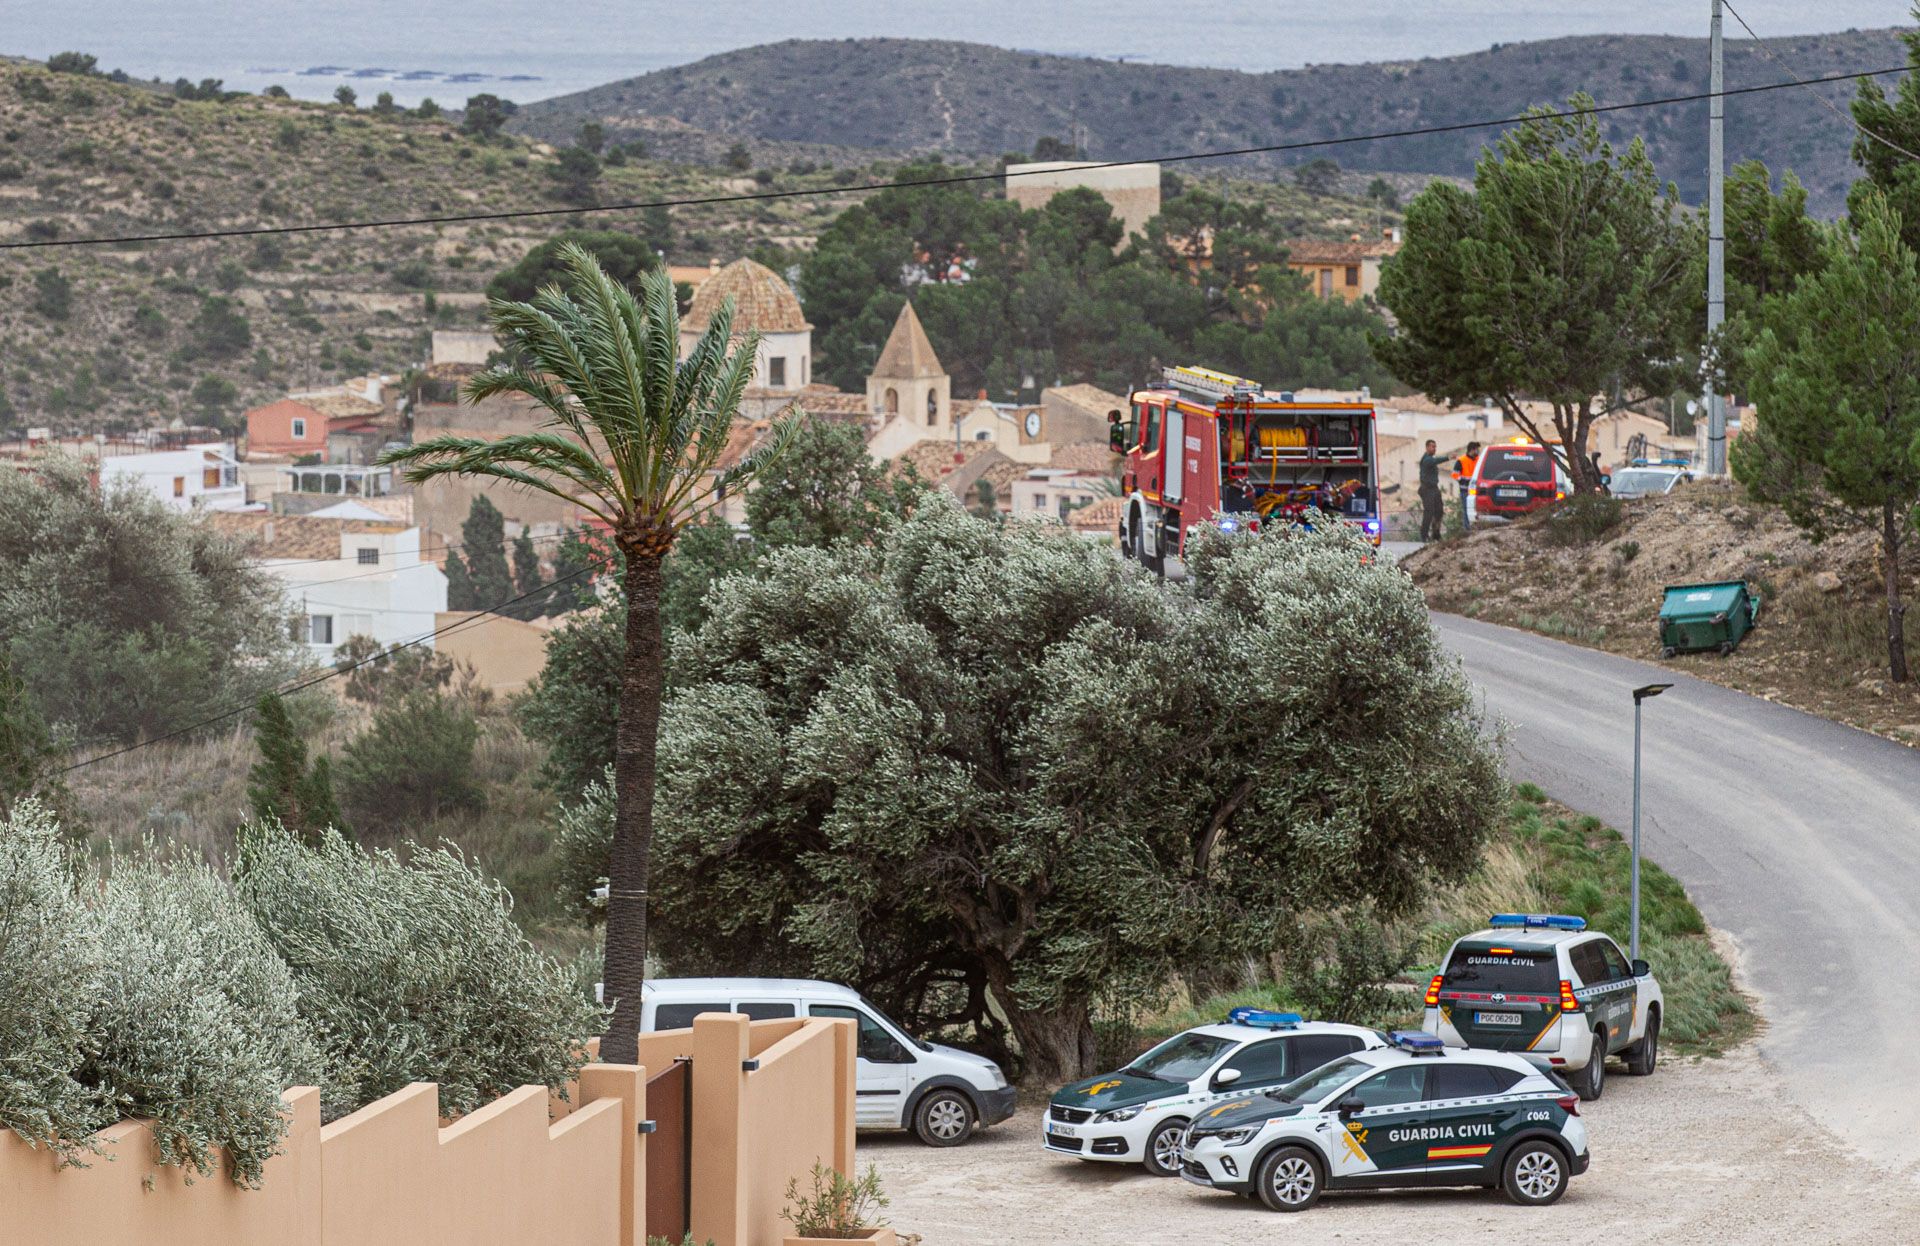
{"x": 1414, "y": 1114}
{"x": 1543, "y": 985}
{"x": 1137, "y": 1115}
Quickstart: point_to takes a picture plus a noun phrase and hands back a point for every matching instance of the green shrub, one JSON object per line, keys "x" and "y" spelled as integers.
{"x": 415, "y": 761}
{"x": 411, "y": 971}
{"x": 1581, "y": 519}
{"x": 195, "y": 1026}
{"x": 582, "y": 850}
{"x": 1340, "y": 965}
{"x": 49, "y": 975}
{"x": 837, "y": 1206}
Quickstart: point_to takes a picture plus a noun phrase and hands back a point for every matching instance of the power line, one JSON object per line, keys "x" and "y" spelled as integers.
{"x": 485, "y": 616}
{"x": 1760, "y": 45}
{"x": 954, "y": 180}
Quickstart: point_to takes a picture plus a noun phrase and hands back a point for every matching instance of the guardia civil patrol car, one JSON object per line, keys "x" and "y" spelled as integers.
{"x": 1544, "y": 985}
{"x": 1414, "y": 1114}
{"x": 1138, "y": 1114}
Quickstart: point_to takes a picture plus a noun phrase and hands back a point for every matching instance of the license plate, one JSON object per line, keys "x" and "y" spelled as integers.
{"x": 1516, "y": 495}
{"x": 1496, "y": 1018}
{"x": 1063, "y": 1131}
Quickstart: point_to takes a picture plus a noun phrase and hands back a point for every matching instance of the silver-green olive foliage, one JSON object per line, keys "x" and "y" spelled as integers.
{"x": 998, "y": 756}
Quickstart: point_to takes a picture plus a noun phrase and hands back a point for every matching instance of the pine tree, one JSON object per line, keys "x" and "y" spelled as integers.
{"x": 281, "y": 786}
{"x": 483, "y": 537}
{"x": 460, "y": 594}
{"x": 526, "y": 578}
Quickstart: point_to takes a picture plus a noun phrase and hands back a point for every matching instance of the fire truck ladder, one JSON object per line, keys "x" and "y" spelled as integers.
{"x": 1207, "y": 383}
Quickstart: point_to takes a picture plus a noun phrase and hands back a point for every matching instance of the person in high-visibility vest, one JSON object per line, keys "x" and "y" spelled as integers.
{"x": 1463, "y": 476}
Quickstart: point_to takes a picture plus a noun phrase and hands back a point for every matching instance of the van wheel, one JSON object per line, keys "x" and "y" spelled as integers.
{"x": 944, "y": 1118}
{"x": 1290, "y": 1179}
{"x": 1535, "y": 1174}
{"x": 1645, "y": 1055}
{"x": 1163, "y": 1149}
{"x": 1592, "y": 1080}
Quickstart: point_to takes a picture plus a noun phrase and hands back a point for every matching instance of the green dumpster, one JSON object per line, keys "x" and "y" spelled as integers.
{"x": 1697, "y": 617}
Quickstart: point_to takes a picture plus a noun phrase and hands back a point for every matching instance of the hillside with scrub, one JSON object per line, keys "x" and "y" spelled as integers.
{"x": 125, "y": 336}
{"x": 924, "y": 95}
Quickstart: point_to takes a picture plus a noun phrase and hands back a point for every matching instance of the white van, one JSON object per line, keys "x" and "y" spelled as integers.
{"x": 938, "y": 1092}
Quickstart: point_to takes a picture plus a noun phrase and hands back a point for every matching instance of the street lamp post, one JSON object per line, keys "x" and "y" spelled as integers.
{"x": 1639, "y": 695}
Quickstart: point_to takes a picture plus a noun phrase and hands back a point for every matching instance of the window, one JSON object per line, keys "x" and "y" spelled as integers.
{"x": 1406, "y": 1084}
{"x": 1617, "y": 967}
{"x": 1260, "y": 1064}
{"x": 1588, "y": 963}
{"x": 933, "y": 406}
{"x": 319, "y": 629}
{"x": 1310, "y": 1051}
{"x": 764, "y": 1010}
{"x": 1181, "y": 1058}
{"x": 1310, "y": 1087}
{"x": 299, "y": 429}
{"x": 1150, "y": 439}
{"x": 179, "y": 486}
{"x": 1353, "y": 274}
{"x": 1040, "y": 501}
{"x": 893, "y": 401}
{"x": 1479, "y": 967}
{"x": 877, "y": 1046}
{"x": 369, "y": 556}
{"x": 777, "y": 372}
{"x": 1468, "y": 1081}
{"x": 1326, "y": 283}
{"x": 680, "y": 1016}
{"x": 210, "y": 478}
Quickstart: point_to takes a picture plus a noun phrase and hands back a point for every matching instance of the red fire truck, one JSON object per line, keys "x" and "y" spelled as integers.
{"x": 1211, "y": 448}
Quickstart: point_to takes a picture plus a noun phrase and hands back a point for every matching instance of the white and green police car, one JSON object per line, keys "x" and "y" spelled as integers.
{"x": 1414, "y": 1114}
{"x": 1543, "y": 985}
{"x": 1137, "y": 1115}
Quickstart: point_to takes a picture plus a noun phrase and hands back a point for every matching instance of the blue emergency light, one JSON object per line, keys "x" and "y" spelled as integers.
{"x": 1536, "y": 921}
{"x": 1419, "y": 1042}
{"x": 1260, "y": 1016}
{"x": 1228, "y": 525}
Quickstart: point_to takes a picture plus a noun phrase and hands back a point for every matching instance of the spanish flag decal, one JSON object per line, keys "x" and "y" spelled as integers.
{"x": 1458, "y": 1152}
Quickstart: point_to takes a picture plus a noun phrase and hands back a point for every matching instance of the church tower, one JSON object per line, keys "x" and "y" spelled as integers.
{"x": 908, "y": 381}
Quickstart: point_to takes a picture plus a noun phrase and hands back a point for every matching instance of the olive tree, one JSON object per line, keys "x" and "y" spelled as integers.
{"x": 996, "y": 761}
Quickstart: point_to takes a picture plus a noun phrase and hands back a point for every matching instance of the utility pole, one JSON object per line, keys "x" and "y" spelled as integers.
{"x": 1639, "y": 695}
{"x": 1716, "y": 247}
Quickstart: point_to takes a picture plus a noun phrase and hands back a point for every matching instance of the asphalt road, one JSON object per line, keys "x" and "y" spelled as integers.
{"x": 1797, "y": 836}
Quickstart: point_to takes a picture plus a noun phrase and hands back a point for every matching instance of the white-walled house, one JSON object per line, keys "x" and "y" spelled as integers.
{"x": 346, "y": 577}
{"x": 763, "y": 303}
{"x": 1056, "y": 492}
{"x": 204, "y": 475}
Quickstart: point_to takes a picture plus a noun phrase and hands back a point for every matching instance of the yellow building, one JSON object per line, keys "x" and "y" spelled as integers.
{"x": 1348, "y": 270}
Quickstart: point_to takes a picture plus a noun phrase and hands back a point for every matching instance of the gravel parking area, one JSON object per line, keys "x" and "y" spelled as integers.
{"x": 1703, "y": 1151}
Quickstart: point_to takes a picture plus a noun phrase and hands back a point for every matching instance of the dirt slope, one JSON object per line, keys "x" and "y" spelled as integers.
{"x": 1821, "y": 642}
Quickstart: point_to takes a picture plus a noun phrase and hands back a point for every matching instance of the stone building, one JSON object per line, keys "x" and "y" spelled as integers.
{"x": 1131, "y": 190}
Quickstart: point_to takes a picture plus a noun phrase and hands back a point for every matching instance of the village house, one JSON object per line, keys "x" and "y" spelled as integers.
{"x": 1056, "y": 492}
{"x": 1131, "y": 190}
{"x": 764, "y": 303}
{"x": 1349, "y": 270}
{"x": 182, "y": 468}
{"x": 345, "y": 576}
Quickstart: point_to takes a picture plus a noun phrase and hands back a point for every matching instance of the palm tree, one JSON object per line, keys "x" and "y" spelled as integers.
{"x": 632, "y": 439}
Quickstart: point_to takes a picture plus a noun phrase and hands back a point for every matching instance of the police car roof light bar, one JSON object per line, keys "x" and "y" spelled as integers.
{"x": 1418, "y": 1042}
{"x": 1260, "y": 1016}
{"x": 1537, "y": 921}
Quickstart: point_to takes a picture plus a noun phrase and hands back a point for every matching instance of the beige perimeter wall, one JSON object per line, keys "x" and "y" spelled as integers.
{"x": 527, "y": 1168}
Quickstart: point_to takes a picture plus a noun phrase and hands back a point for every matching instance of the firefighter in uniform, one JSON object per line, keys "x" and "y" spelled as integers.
{"x": 1430, "y": 506}
{"x": 1463, "y": 476}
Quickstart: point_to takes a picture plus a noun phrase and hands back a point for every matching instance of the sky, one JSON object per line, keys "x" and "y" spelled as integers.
{"x": 450, "y": 49}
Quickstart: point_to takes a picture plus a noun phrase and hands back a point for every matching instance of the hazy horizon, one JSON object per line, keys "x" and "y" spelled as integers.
{"x": 526, "y": 52}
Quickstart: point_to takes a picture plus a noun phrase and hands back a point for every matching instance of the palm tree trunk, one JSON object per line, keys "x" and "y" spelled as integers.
{"x": 642, "y": 677}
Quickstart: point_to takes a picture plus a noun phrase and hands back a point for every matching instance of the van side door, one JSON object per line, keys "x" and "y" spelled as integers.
{"x": 885, "y": 1069}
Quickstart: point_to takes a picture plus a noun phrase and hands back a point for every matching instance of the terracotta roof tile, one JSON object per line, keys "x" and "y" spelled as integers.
{"x": 1316, "y": 251}
{"x": 1101, "y": 516}
{"x": 1086, "y": 456}
{"x": 762, "y": 300}
{"x": 293, "y": 536}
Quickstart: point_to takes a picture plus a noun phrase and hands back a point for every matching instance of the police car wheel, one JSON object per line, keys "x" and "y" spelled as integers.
{"x": 1535, "y": 1174}
{"x": 1290, "y": 1179}
{"x": 944, "y": 1118}
{"x": 1645, "y": 1056}
{"x": 1592, "y": 1080}
{"x": 1163, "y": 1149}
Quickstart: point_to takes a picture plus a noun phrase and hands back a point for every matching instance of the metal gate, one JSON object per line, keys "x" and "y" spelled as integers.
{"x": 670, "y": 1151}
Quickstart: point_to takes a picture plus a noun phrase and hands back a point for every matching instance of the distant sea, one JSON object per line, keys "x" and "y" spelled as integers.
{"x": 526, "y": 51}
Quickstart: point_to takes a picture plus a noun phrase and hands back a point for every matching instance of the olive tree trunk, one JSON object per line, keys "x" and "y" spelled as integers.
{"x": 1890, "y": 519}
{"x": 642, "y": 677}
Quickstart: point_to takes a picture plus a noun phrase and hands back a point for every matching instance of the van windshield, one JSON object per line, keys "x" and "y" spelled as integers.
{"x": 1532, "y": 464}
{"x": 1487, "y": 967}
{"x": 874, "y": 1008}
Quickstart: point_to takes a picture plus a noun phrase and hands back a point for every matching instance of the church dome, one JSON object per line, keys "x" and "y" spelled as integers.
{"x": 762, "y": 300}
